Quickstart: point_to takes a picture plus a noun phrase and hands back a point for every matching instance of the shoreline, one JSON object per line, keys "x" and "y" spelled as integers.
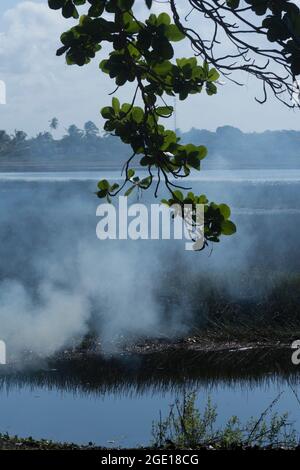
{"x": 15, "y": 443}
{"x": 144, "y": 347}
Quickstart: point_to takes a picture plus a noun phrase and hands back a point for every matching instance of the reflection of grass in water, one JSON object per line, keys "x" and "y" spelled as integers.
{"x": 135, "y": 375}
{"x": 186, "y": 427}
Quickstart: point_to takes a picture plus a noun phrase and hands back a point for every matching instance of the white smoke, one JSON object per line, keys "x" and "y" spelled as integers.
{"x": 57, "y": 279}
{"x": 44, "y": 327}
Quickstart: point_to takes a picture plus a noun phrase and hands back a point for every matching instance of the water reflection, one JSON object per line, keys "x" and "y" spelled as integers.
{"x": 114, "y": 400}
{"x": 161, "y": 371}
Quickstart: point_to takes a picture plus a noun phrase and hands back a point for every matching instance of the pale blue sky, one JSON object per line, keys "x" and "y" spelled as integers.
{"x": 40, "y": 85}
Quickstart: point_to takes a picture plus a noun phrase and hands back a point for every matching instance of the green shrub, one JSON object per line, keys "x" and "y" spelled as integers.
{"x": 186, "y": 427}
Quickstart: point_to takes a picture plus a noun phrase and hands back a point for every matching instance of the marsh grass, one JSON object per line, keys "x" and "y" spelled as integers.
{"x": 255, "y": 306}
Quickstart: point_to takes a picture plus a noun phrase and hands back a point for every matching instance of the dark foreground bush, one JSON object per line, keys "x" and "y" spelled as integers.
{"x": 186, "y": 428}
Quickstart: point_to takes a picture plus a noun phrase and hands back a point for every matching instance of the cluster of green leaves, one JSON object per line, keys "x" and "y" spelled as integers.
{"x": 107, "y": 190}
{"x": 142, "y": 52}
{"x": 159, "y": 147}
{"x": 216, "y": 216}
{"x": 282, "y": 24}
{"x": 68, "y": 7}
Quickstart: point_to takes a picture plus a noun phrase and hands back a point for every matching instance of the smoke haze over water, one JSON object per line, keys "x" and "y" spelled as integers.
{"x": 57, "y": 280}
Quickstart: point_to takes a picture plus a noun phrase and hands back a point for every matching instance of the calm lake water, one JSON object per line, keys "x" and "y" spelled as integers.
{"x": 47, "y": 238}
{"x": 125, "y": 419}
{"x": 255, "y": 176}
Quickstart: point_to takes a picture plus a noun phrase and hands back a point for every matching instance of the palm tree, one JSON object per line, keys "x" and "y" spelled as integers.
{"x": 53, "y": 123}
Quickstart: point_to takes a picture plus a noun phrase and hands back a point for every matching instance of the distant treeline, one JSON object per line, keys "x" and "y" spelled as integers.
{"x": 75, "y": 146}
{"x": 228, "y": 148}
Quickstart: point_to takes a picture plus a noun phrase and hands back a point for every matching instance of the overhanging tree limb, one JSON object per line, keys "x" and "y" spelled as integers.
{"x": 142, "y": 52}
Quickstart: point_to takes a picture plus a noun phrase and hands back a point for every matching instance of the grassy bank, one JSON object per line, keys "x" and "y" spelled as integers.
{"x": 259, "y": 305}
{"x": 16, "y": 443}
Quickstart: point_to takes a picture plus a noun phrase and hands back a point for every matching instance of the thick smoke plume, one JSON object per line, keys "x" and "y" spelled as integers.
{"x": 58, "y": 282}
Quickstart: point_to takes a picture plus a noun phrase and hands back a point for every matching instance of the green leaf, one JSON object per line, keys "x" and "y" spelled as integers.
{"x": 121, "y": 79}
{"x": 56, "y": 4}
{"x": 202, "y": 152}
{"x": 130, "y": 173}
{"x": 137, "y": 115}
{"x": 107, "y": 112}
{"x": 126, "y": 108}
{"x": 103, "y": 184}
{"x": 164, "y": 110}
{"x": 131, "y": 26}
{"x": 174, "y": 34}
{"x": 62, "y": 50}
{"x": 211, "y": 88}
{"x": 145, "y": 161}
{"x": 225, "y": 211}
{"x": 114, "y": 187}
{"x": 178, "y": 195}
{"x": 126, "y": 4}
{"x": 163, "y": 67}
{"x": 163, "y": 18}
{"x": 103, "y": 65}
{"x": 129, "y": 191}
{"x": 165, "y": 202}
{"x": 233, "y": 3}
{"x": 144, "y": 183}
{"x": 213, "y": 75}
{"x": 194, "y": 162}
{"x": 228, "y": 227}
{"x": 164, "y": 49}
{"x": 116, "y": 105}
{"x": 69, "y": 10}
{"x": 96, "y": 9}
{"x": 202, "y": 199}
{"x": 191, "y": 196}
{"x": 101, "y": 194}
